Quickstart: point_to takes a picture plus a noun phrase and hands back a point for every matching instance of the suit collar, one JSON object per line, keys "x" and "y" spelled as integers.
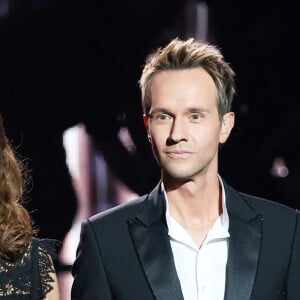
{"x": 153, "y": 208}
{"x": 237, "y": 206}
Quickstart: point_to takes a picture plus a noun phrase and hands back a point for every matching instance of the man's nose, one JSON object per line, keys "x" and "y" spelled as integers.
{"x": 179, "y": 130}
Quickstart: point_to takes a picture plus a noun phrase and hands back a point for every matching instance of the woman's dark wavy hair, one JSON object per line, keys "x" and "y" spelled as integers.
{"x": 16, "y": 230}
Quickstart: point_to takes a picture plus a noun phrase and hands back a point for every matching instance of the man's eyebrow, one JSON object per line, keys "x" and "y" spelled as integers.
{"x": 159, "y": 110}
{"x": 199, "y": 109}
{"x": 191, "y": 109}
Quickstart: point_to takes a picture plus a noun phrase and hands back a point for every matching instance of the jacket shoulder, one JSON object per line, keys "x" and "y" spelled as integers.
{"x": 119, "y": 212}
{"x": 267, "y": 206}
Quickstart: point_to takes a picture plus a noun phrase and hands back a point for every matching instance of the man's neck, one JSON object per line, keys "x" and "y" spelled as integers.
{"x": 196, "y": 206}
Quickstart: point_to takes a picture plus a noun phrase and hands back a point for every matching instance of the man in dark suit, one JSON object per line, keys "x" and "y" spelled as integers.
{"x": 193, "y": 236}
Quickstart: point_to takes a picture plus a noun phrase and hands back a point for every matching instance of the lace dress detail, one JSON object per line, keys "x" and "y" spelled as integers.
{"x": 29, "y": 276}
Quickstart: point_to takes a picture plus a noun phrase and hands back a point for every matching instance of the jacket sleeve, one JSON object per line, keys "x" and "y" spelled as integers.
{"x": 293, "y": 280}
{"x": 90, "y": 281}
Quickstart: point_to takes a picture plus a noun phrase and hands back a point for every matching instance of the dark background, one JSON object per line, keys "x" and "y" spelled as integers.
{"x": 66, "y": 62}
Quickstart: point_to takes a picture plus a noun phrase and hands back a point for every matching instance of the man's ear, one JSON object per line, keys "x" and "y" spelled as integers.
{"x": 226, "y": 126}
{"x": 147, "y": 127}
{"x": 145, "y": 119}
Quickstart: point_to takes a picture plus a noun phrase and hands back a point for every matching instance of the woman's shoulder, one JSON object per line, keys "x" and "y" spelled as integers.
{"x": 32, "y": 272}
{"x": 44, "y": 246}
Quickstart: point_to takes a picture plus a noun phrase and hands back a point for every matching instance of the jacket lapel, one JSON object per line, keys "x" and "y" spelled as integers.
{"x": 150, "y": 236}
{"x": 245, "y": 228}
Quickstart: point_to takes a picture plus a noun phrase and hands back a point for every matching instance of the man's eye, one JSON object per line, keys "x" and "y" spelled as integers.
{"x": 163, "y": 117}
{"x": 160, "y": 117}
{"x": 196, "y": 117}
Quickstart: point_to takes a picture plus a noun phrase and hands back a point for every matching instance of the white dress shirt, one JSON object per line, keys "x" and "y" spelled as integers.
{"x": 201, "y": 271}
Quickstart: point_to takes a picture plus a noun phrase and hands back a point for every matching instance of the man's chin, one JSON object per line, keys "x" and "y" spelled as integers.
{"x": 178, "y": 175}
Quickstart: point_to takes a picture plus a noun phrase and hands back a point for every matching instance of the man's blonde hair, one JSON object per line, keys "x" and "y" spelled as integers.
{"x": 179, "y": 55}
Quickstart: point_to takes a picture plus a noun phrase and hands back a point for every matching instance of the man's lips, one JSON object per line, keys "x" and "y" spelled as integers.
{"x": 181, "y": 154}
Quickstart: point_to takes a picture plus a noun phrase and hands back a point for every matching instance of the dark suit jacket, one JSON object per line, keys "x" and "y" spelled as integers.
{"x": 125, "y": 253}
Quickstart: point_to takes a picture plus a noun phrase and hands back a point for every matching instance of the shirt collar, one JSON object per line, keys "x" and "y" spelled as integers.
{"x": 223, "y": 219}
{"x": 224, "y": 216}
